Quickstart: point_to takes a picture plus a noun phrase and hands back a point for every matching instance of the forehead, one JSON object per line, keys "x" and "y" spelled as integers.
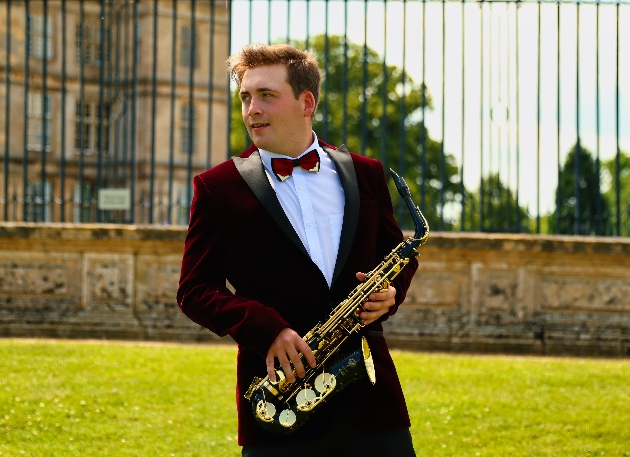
{"x": 265, "y": 76}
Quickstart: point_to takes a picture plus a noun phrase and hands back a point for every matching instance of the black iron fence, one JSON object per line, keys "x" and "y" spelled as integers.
{"x": 502, "y": 115}
{"x": 110, "y": 107}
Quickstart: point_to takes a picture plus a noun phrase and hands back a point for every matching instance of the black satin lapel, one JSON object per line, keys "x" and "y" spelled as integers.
{"x": 253, "y": 173}
{"x": 348, "y": 177}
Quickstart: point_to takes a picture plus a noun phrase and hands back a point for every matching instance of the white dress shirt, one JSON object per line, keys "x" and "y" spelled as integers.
{"x": 314, "y": 204}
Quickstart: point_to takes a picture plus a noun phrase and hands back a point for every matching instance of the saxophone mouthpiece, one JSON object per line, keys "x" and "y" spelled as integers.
{"x": 401, "y": 185}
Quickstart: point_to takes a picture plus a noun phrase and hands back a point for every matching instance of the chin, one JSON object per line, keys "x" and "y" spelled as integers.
{"x": 265, "y": 144}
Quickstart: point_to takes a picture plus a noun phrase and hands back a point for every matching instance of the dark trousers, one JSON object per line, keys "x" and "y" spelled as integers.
{"x": 396, "y": 443}
{"x": 347, "y": 439}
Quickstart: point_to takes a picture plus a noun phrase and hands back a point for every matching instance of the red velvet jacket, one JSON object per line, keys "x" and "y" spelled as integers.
{"x": 238, "y": 232}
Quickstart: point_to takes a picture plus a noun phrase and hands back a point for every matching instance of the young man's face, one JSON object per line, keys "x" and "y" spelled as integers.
{"x": 275, "y": 119}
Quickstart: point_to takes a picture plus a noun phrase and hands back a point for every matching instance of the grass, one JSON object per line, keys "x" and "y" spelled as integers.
{"x": 64, "y": 398}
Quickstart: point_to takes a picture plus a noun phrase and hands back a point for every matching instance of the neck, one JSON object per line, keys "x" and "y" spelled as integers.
{"x": 302, "y": 145}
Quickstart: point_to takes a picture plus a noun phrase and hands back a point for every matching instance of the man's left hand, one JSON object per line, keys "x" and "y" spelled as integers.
{"x": 378, "y": 303}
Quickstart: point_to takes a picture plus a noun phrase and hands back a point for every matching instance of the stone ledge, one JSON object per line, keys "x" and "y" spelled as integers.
{"x": 473, "y": 292}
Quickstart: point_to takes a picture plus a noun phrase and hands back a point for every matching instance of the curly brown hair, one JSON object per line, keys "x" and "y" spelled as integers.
{"x": 302, "y": 68}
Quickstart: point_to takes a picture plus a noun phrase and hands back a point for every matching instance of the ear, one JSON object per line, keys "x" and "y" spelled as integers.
{"x": 309, "y": 103}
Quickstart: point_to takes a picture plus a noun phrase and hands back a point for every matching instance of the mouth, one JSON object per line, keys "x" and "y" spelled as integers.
{"x": 258, "y": 125}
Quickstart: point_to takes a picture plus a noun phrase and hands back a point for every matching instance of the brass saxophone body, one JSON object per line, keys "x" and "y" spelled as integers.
{"x": 281, "y": 406}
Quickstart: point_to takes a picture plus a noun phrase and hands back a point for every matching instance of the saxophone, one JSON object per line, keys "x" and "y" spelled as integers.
{"x": 282, "y": 406}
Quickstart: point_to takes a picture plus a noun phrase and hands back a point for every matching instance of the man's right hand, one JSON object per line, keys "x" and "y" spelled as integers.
{"x": 287, "y": 348}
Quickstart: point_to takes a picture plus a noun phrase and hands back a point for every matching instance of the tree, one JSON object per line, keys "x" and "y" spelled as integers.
{"x": 609, "y": 177}
{"x": 582, "y": 207}
{"x": 500, "y": 211}
{"x": 388, "y": 127}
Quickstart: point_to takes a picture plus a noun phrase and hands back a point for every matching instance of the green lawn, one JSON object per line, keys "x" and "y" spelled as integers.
{"x": 62, "y": 398}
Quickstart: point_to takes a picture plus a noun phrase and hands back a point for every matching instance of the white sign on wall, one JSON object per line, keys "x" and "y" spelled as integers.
{"x": 114, "y": 199}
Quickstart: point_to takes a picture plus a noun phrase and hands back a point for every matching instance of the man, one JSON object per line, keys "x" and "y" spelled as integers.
{"x": 293, "y": 240}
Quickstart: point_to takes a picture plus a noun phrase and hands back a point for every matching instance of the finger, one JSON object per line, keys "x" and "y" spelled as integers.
{"x": 298, "y": 367}
{"x": 307, "y": 353}
{"x": 286, "y": 368}
{"x": 361, "y": 276}
{"x": 271, "y": 372}
{"x": 372, "y": 316}
{"x": 370, "y": 307}
{"x": 388, "y": 294}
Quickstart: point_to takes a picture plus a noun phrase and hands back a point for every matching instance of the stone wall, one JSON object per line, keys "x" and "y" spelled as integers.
{"x": 473, "y": 292}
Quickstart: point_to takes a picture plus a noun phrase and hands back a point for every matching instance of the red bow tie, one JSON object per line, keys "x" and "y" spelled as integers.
{"x": 283, "y": 168}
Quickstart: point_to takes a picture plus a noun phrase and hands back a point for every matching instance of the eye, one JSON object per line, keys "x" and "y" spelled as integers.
{"x": 245, "y": 97}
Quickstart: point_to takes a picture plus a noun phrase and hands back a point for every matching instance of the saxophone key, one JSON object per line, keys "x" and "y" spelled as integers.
{"x": 287, "y": 418}
{"x": 325, "y": 382}
{"x": 306, "y": 399}
{"x": 265, "y": 411}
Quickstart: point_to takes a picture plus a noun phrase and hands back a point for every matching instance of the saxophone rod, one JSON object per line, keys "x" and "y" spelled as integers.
{"x": 357, "y": 296}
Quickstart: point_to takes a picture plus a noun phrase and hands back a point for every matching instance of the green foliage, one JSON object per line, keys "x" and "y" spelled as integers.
{"x": 124, "y": 399}
{"x": 500, "y": 211}
{"x": 609, "y": 175}
{"x": 583, "y": 219}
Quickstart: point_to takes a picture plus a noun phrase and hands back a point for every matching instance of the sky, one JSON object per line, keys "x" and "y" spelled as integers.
{"x": 587, "y": 38}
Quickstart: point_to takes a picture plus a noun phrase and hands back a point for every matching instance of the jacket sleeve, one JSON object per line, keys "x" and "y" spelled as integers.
{"x": 389, "y": 236}
{"x": 202, "y": 294}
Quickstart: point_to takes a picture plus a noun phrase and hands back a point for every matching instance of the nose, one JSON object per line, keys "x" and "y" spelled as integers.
{"x": 254, "y": 107}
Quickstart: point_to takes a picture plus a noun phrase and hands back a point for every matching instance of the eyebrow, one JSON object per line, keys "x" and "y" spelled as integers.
{"x": 260, "y": 89}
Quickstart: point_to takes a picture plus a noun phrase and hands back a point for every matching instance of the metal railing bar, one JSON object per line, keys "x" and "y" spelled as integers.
{"x": 558, "y": 131}
{"x": 538, "y": 117}
{"x": 134, "y": 111}
{"x": 112, "y": 139}
{"x": 101, "y": 105}
{"x": 403, "y": 115}
{"x": 171, "y": 140}
{"x": 27, "y": 56}
{"x": 490, "y": 126}
{"x": 326, "y": 78}
{"x": 268, "y": 22}
{"x": 384, "y": 94}
{"x": 229, "y": 88}
{"x": 481, "y": 118}
{"x": 191, "y": 110}
{"x": 153, "y": 109}
{"x": 119, "y": 98}
{"x": 508, "y": 218}
{"x": 578, "y": 146}
{"x": 364, "y": 80}
{"x": 345, "y": 75}
{"x": 126, "y": 45}
{"x": 617, "y": 133}
{"x": 44, "y": 119}
{"x": 288, "y": 40}
{"x": 598, "y": 201}
{"x": 518, "y": 116}
{"x": 462, "y": 218}
{"x": 423, "y": 102}
{"x": 443, "y": 121}
{"x": 7, "y": 112}
{"x": 210, "y": 83}
{"x": 308, "y": 24}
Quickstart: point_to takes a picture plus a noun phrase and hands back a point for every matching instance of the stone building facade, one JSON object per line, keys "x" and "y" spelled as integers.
{"x": 65, "y": 116}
